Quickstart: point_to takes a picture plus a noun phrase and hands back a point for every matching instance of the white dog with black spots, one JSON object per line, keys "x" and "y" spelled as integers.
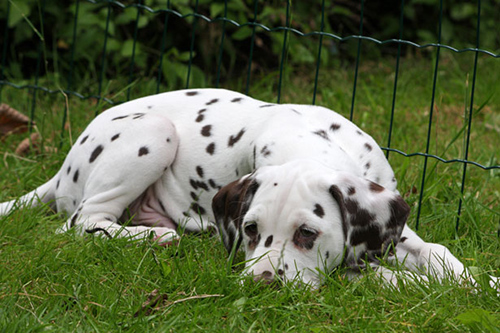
{"x": 300, "y": 187}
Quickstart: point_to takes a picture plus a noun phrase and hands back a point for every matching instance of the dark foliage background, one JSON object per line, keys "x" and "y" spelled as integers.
{"x": 30, "y": 26}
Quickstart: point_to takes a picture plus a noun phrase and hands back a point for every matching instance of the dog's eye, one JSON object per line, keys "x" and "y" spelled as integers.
{"x": 251, "y": 228}
{"x": 307, "y": 232}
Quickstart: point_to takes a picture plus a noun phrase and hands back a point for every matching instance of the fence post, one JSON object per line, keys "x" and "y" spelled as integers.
{"x": 401, "y": 20}
{"x": 318, "y": 59}
{"x": 252, "y": 43}
{"x": 103, "y": 60}
{"x": 431, "y": 113}
{"x": 357, "y": 59}
{"x": 4, "y": 48}
{"x": 162, "y": 47}
{"x": 469, "y": 124}
{"x": 131, "y": 71}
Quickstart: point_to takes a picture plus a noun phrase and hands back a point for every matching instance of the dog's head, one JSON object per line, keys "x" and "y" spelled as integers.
{"x": 299, "y": 219}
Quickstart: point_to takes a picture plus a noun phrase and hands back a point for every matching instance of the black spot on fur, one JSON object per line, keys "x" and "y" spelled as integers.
{"x": 198, "y": 184}
{"x": 254, "y": 155}
{"x": 322, "y": 134}
{"x": 191, "y": 93}
{"x": 319, "y": 211}
{"x": 233, "y": 139}
{"x": 334, "y": 127}
{"x": 295, "y": 111}
{"x": 150, "y": 107}
{"x": 205, "y": 131}
{"x": 351, "y": 190}
{"x": 138, "y": 115}
{"x": 168, "y": 140}
{"x": 266, "y": 105}
{"x": 74, "y": 219}
{"x": 215, "y": 100}
{"x": 213, "y": 185}
{"x": 265, "y": 151}
{"x": 97, "y": 151}
{"x": 358, "y": 216}
{"x": 143, "y": 151}
{"x": 368, "y": 147}
{"x": 211, "y": 148}
{"x": 275, "y": 184}
{"x": 118, "y": 118}
{"x": 399, "y": 213}
{"x": 94, "y": 230}
{"x": 199, "y": 171}
{"x": 374, "y": 187}
{"x": 198, "y": 209}
{"x": 286, "y": 266}
{"x": 269, "y": 241}
{"x": 201, "y": 116}
{"x": 367, "y": 165}
{"x": 84, "y": 139}
{"x": 75, "y": 176}
{"x": 359, "y": 132}
{"x": 236, "y": 100}
{"x": 68, "y": 170}
{"x": 403, "y": 239}
{"x": 194, "y": 196}
{"x": 369, "y": 235}
{"x": 114, "y": 137}
{"x": 327, "y": 254}
{"x": 58, "y": 182}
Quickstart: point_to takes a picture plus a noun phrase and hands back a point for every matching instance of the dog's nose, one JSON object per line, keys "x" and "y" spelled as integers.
{"x": 266, "y": 277}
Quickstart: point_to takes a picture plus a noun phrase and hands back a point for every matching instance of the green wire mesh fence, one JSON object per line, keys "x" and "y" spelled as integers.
{"x": 193, "y": 14}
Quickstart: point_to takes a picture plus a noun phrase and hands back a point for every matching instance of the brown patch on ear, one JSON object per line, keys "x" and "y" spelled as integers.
{"x": 362, "y": 221}
{"x": 230, "y": 205}
{"x": 400, "y": 211}
{"x": 339, "y": 198}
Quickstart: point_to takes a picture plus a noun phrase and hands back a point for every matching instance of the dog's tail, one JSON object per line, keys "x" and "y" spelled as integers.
{"x": 44, "y": 194}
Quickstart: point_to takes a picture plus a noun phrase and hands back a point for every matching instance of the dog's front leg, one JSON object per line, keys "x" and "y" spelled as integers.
{"x": 434, "y": 260}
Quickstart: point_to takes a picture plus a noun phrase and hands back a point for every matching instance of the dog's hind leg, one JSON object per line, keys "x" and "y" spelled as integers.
{"x": 43, "y": 194}
{"x": 120, "y": 172}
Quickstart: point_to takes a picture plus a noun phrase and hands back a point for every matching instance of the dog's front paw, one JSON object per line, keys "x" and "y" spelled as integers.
{"x": 165, "y": 236}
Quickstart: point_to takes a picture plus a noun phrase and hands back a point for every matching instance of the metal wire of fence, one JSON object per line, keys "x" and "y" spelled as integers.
{"x": 286, "y": 30}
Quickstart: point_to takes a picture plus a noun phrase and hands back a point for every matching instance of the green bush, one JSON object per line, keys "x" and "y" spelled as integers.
{"x": 193, "y": 44}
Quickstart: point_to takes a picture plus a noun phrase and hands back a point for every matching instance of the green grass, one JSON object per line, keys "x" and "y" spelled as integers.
{"x": 62, "y": 282}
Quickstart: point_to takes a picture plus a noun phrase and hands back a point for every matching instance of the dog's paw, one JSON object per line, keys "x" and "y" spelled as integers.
{"x": 165, "y": 236}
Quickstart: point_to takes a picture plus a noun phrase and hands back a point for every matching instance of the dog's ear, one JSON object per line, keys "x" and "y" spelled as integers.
{"x": 372, "y": 216}
{"x": 229, "y": 206}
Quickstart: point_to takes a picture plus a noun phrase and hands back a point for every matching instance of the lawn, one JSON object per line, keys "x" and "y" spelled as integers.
{"x": 62, "y": 282}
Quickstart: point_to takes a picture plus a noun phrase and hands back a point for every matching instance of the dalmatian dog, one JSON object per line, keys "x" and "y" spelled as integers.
{"x": 300, "y": 187}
